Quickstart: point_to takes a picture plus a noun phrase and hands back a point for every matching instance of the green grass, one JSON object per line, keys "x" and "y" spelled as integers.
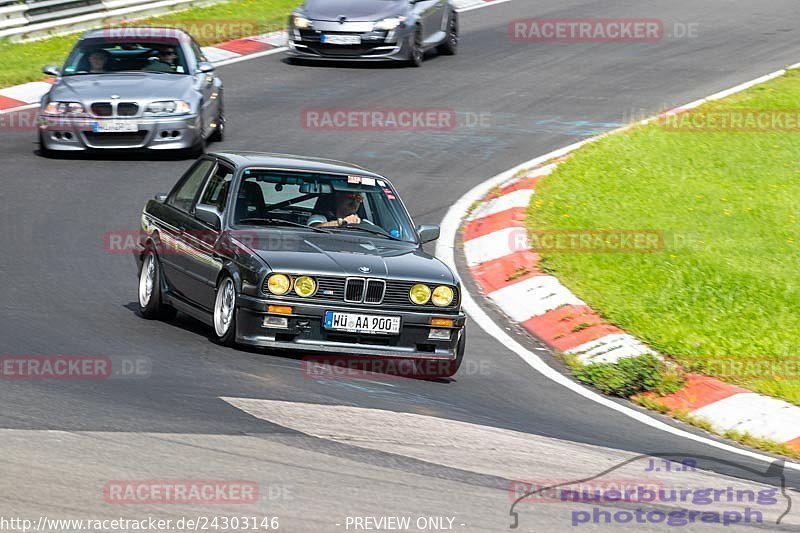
{"x": 22, "y": 62}
{"x": 726, "y": 286}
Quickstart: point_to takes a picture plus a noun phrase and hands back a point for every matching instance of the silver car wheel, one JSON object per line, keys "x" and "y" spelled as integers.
{"x": 224, "y": 307}
{"x": 147, "y": 280}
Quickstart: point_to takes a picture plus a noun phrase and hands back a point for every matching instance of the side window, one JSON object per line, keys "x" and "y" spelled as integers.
{"x": 182, "y": 197}
{"x": 217, "y": 189}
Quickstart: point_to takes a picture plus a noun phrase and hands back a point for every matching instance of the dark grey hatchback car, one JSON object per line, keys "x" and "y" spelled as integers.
{"x": 300, "y": 254}
{"x": 372, "y": 30}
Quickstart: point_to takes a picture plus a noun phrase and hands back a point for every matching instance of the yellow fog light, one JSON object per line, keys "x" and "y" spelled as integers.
{"x": 305, "y": 286}
{"x": 442, "y": 322}
{"x": 279, "y": 284}
{"x": 442, "y": 296}
{"x": 420, "y": 294}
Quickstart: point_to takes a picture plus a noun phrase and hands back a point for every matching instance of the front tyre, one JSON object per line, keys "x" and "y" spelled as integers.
{"x": 225, "y": 312}
{"x": 450, "y": 45}
{"x": 150, "y": 304}
{"x": 416, "y": 54}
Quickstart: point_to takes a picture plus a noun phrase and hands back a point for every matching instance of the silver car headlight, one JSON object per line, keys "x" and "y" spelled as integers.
{"x": 388, "y": 24}
{"x": 63, "y": 108}
{"x": 169, "y": 107}
{"x": 300, "y": 22}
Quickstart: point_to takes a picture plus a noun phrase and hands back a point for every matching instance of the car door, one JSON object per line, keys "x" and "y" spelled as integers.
{"x": 180, "y": 205}
{"x": 203, "y": 264}
{"x": 209, "y": 85}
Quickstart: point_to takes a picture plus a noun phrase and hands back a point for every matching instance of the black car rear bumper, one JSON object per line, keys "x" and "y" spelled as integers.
{"x": 305, "y": 331}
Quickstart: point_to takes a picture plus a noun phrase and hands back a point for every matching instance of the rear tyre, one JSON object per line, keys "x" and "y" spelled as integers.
{"x": 225, "y": 312}
{"x": 450, "y": 45}
{"x": 150, "y": 304}
{"x": 416, "y": 54}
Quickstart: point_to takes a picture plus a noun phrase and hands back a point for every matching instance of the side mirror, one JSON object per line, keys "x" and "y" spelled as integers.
{"x": 52, "y": 70}
{"x": 160, "y": 197}
{"x": 205, "y": 66}
{"x": 428, "y": 233}
{"x": 209, "y": 215}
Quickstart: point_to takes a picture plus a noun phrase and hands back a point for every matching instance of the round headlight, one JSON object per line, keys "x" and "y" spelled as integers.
{"x": 420, "y": 294}
{"x": 279, "y": 284}
{"x": 305, "y": 286}
{"x": 442, "y": 296}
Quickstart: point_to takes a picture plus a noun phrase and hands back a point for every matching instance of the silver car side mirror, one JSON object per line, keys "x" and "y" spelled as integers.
{"x": 205, "y": 66}
{"x": 52, "y": 70}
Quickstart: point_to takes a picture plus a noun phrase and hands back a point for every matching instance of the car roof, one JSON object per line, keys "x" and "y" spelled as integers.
{"x": 145, "y": 32}
{"x": 293, "y": 162}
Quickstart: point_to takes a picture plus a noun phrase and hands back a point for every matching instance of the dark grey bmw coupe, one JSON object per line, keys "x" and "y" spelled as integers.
{"x": 372, "y": 30}
{"x": 300, "y": 254}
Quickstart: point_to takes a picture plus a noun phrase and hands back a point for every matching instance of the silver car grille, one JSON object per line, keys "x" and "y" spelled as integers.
{"x": 114, "y": 109}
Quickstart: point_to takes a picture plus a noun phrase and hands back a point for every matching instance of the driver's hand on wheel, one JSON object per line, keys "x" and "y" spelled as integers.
{"x": 352, "y": 219}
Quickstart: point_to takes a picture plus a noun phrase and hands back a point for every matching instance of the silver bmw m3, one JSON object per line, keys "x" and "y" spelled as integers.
{"x": 132, "y": 88}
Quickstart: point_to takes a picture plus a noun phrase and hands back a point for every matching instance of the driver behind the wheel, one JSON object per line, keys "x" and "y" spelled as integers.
{"x": 346, "y": 205}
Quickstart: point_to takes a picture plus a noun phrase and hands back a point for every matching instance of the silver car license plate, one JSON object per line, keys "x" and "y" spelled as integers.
{"x": 115, "y": 126}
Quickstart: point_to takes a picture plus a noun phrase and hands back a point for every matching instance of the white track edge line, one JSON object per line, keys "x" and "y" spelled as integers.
{"x": 445, "y": 250}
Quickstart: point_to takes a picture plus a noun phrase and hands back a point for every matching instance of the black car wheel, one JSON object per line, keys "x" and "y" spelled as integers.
{"x": 225, "y": 312}
{"x": 450, "y": 45}
{"x": 416, "y": 53}
{"x": 150, "y": 304}
{"x": 219, "y": 132}
{"x": 43, "y": 150}
{"x": 199, "y": 146}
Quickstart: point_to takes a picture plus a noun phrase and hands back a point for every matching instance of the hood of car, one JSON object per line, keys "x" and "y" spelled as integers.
{"x": 354, "y": 10}
{"x": 124, "y": 85}
{"x": 348, "y": 255}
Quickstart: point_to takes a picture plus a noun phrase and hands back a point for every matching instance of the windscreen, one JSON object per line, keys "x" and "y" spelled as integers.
{"x": 101, "y": 56}
{"x": 269, "y": 196}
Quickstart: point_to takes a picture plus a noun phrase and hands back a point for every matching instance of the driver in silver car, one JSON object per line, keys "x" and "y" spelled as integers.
{"x": 164, "y": 62}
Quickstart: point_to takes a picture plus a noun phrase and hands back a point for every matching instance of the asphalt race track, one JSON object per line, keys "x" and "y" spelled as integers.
{"x": 63, "y": 293}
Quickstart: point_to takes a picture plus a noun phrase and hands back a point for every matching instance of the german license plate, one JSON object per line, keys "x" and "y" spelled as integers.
{"x": 115, "y": 126}
{"x": 358, "y": 323}
{"x": 341, "y": 39}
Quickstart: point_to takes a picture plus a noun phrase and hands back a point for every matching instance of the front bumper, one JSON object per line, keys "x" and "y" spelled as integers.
{"x": 306, "y": 332}
{"x": 77, "y": 134}
{"x": 374, "y": 46}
